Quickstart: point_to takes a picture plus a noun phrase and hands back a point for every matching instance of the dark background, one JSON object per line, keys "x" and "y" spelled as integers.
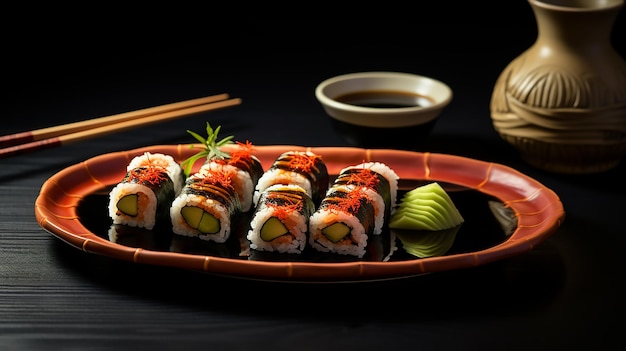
{"x": 62, "y": 66}
{"x": 72, "y": 67}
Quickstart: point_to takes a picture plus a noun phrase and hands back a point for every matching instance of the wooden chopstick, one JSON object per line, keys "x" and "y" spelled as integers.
{"x": 68, "y": 133}
{"x": 45, "y": 133}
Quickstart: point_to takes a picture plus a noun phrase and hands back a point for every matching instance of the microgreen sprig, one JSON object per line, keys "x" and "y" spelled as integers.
{"x": 211, "y": 147}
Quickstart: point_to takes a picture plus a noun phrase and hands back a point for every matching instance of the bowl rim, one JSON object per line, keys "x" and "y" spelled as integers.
{"x": 328, "y": 101}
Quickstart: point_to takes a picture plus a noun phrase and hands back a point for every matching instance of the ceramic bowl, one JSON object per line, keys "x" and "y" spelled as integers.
{"x": 383, "y": 109}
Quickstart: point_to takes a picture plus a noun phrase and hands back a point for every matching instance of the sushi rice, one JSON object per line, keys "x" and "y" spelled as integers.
{"x": 240, "y": 179}
{"x": 384, "y": 170}
{"x": 303, "y": 168}
{"x": 358, "y": 235}
{"x": 364, "y": 219}
{"x": 295, "y": 220}
{"x": 146, "y": 217}
{"x": 173, "y": 168}
{"x": 154, "y": 190}
{"x": 281, "y": 176}
{"x": 215, "y": 208}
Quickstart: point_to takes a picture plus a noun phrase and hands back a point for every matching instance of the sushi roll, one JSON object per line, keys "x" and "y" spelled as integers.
{"x": 343, "y": 222}
{"x": 142, "y": 198}
{"x": 173, "y": 168}
{"x": 281, "y": 219}
{"x": 356, "y": 207}
{"x": 383, "y": 170}
{"x": 206, "y": 206}
{"x": 244, "y": 171}
{"x": 379, "y": 182}
{"x": 303, "y": 168}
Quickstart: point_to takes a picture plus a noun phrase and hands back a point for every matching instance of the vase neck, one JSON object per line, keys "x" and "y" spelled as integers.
{"x": 576, "y": 25}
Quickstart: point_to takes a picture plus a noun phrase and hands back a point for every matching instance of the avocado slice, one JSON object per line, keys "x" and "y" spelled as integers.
{"x": 199, "y": 219}
{"x": 272, "y": 229}
{"x": 336, "y": 231}
{"x": 128, "y": 205}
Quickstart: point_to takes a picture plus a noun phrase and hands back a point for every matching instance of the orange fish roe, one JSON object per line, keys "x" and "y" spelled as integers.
{"x": 153, "y": 174}
{"x": 350, "y": 203}
{"x": 243, "y": 153}
{"x": 302, "y": 161}
{"x": 284, "y": 209}
{"x": 365, "y": 177}
{"x": 214, "y": 177}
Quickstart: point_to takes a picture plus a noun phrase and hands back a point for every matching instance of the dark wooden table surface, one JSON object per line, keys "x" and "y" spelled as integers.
{"x": 567, "y": 292}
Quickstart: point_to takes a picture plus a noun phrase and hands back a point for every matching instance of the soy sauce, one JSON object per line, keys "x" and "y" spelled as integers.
{"x": 385, "y": 99}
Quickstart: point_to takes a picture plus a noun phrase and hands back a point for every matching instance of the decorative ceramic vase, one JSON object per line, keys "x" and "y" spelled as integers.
{"x": 562, "y": 102}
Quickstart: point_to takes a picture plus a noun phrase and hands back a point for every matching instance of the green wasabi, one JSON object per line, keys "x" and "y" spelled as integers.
{"x": 427, "y": 207}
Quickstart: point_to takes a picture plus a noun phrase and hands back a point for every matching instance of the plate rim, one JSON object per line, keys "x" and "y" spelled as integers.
{"x": 57, "y": 202}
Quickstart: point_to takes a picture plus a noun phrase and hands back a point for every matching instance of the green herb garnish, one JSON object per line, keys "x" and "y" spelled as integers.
{"x": 211, "y": 147}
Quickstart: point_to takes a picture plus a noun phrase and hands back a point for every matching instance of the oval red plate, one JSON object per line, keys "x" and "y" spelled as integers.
{"x": 538, "y": 209}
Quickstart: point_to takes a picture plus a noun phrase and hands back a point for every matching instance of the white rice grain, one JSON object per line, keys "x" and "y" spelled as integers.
{"x": 146, "y": 217}
{"x": 180, "y": 226}
{"x": 173, "y": 168}
{"x": 241, "y": 181}
{"x": 355, "y": 242}
{"x": 383, "y": 170}
{"x": 280, "y": 176}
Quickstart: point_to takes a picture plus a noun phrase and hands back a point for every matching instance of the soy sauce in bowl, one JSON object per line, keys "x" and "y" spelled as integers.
{"x": 385, "y": 99}
{"x": 383, "y": 109}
